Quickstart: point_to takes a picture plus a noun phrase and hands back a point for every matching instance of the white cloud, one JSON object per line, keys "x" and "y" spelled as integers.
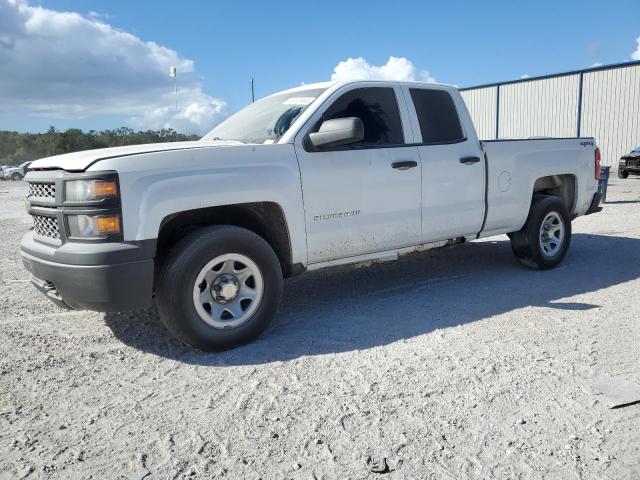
{"x": 596, "y": 64}
{"x": 65, "y": 65}
{"x": 396, "y": 68}
{"x": 99, "y": 16}
{"x": 526, "y": 75}
{"x": 190, "y": 117}
{"x": 636, "y": 55}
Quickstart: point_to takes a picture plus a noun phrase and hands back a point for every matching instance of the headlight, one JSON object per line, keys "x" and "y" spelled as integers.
{"x": 93, "y": 226}
{"x": 89, "y": 190}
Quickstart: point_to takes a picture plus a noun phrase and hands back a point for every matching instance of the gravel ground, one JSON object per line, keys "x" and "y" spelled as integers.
{"x": 457, "y": 363}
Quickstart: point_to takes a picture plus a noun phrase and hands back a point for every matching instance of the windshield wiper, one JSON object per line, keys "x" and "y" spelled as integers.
{"x": 218, "y": 139}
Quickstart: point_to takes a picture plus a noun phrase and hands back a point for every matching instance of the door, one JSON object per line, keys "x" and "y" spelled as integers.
{"x": 453, "y": 168}
{"x": 363, "y": 197}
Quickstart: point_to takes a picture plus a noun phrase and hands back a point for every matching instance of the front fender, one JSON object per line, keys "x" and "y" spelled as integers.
{"x": 194, "y": 179}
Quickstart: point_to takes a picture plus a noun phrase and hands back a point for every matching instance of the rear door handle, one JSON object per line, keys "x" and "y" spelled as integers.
{"x": 404, "y": 165}
{"x": 469, "y": 160}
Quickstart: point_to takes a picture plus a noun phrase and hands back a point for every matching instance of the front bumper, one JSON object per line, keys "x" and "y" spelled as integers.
{"x": 104, "y": 277}
{"x": 630, "y": 164}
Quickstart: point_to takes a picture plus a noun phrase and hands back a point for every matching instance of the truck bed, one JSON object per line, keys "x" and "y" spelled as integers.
{"x": 514, "y": 167}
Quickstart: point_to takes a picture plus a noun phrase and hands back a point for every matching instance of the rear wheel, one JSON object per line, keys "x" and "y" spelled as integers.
{"x": 219, "y": 288}
{"x": 622, "y": 173}
{"x": 544, "y": 239}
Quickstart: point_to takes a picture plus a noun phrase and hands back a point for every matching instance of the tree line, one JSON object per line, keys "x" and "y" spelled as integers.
{"x": 16, "y": 148}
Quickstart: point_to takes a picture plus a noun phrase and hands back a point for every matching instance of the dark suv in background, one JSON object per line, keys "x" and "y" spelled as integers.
{"x": 629, "y": 164}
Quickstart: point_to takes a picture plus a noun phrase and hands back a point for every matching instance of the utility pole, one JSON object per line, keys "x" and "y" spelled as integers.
{"x": 174, "y": 73}
{"x": 253, "y": 93}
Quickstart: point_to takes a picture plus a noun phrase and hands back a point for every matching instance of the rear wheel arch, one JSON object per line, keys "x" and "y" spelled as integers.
{"x": 563, "y": 186}
{"x": 266, "y": 219}
{"x": 528, "y": 244}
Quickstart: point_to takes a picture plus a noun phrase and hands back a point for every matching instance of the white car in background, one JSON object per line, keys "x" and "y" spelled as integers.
{"x": 308, "y": 178}
{"x": 15, "y": 172}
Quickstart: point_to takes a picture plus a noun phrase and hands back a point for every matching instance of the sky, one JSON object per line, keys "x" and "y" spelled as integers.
{"x": 97, "y": 64}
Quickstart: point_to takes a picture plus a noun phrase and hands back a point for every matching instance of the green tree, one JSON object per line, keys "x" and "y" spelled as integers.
{"x": 16, "y": 148}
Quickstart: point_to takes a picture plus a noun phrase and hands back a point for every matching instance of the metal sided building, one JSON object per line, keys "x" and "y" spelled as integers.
{"x": 601, "y": 102}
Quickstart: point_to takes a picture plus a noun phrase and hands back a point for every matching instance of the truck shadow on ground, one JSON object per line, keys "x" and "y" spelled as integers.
{"x": 349, "y": 309}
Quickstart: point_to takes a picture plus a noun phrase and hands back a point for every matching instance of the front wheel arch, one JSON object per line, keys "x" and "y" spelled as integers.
{"x": 265, "y": 219}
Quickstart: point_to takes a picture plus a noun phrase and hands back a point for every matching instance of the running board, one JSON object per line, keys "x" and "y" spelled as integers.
{"x": 385, "y": 256}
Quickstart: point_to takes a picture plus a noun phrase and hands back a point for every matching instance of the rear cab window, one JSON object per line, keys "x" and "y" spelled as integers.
{"x": 437, "y": 116}
{"x": 377, "y": 107}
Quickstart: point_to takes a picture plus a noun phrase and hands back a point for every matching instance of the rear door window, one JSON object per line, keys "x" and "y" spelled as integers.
{"x": 437, "y": 116}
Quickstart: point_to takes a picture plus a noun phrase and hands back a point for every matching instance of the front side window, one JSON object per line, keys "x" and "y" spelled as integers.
{"x": 378, "y": 110}
{"x": 266, "y": 120}
{"x": 437, "y": 116}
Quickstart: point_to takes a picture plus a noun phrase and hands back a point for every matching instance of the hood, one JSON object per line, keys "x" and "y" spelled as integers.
{"x": 80, "y": 161}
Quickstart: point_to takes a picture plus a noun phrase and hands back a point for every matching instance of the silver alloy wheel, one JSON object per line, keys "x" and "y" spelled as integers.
{"x": 551, "y": 234}
{"x": 228, "y": 290}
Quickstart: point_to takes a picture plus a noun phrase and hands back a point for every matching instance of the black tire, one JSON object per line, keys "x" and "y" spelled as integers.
{"x": 527, "y": 244}
{"x": 622, "y": 173}
{"x": 16, "y": 177}
{"x": 175, "y": 287}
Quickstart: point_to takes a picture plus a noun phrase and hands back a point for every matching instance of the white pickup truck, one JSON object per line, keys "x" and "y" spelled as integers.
{"x": 308, "y": 178}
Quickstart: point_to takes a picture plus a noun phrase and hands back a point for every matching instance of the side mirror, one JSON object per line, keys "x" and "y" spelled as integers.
{"x": 337, "y": 132}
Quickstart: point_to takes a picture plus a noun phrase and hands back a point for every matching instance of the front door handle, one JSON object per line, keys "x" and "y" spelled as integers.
{"x": 404, "y": 165}
{"x": 469, "y": 160}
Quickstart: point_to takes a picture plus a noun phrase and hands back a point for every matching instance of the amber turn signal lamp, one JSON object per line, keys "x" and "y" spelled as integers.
{"x": 102, "y": 189}
{"x": 108, "y": 225}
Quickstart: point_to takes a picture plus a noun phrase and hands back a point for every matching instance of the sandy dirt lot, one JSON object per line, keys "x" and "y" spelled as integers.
{"x": 453, "y": 364}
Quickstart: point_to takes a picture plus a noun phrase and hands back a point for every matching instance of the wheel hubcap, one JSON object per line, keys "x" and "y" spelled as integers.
{"x": 225, "y": 288}
{"x": 228, "y": 290}
{"x": 551, "y": 234}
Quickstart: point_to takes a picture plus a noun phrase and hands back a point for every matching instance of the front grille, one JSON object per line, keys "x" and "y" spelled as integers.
{"x": 46, "y": 226}
{"x": 42, "y": 190}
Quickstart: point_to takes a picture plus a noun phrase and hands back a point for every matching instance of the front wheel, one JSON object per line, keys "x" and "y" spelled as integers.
{"x": 219, "y": 288}
{"x": 16, "y": 177}
{"x": 622, "y": 173}
{"x": 544, "y": 239}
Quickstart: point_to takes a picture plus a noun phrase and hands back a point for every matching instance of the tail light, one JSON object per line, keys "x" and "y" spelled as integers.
{"x": 598, "y": 161}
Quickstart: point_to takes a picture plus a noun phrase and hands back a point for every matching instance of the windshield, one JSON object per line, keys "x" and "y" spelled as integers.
{"x": 266, "y": 120}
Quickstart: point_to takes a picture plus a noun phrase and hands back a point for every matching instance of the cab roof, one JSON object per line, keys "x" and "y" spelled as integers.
{"x": 339, "y": 83}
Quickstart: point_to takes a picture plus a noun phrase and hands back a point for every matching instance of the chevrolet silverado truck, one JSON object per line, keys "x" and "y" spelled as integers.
{"x": 309, "y": 178}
